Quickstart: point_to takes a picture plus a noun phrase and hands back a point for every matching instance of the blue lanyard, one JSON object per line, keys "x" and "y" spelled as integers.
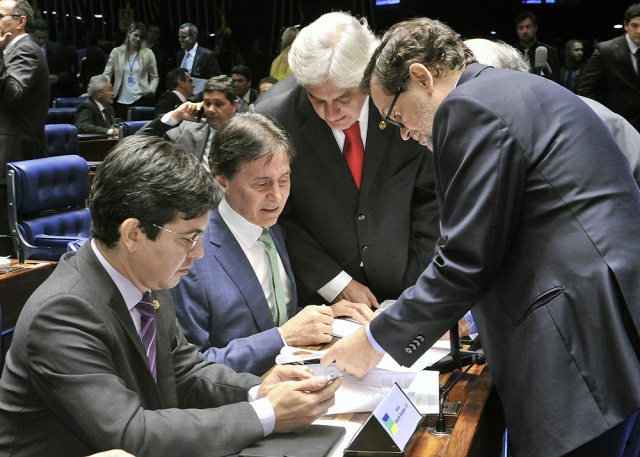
{"x": 131, "y": 65}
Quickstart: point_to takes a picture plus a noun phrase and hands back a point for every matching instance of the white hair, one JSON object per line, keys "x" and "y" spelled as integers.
{"x": 336, "y": 47}
{"x": 498, "y": 54}
{"x": 97, "y": 83}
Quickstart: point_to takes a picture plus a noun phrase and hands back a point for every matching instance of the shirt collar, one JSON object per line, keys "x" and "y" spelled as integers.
{"x": 100, "y": 105}
{"x": 180, "y": 96}
{"x": 632, "y": 45}
{"x": 244, "y": 231}
{"x": 12, "y": 43}
{"x": 363, "y": 120}
{"x": 193, "y": 50}
{"x": 129, "y": 292}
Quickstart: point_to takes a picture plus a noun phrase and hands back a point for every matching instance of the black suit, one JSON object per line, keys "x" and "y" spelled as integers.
{"x": 89, "y": 118}
{"x": 540, "y": 236}
{"x": 552, "y": 59}
{"x": 389, "y": 226}
{"x": 205, "y": 64}
{"x": 168, "y": 101}
{"x": 609, "y": 78}
{"x": 24, "y": 102}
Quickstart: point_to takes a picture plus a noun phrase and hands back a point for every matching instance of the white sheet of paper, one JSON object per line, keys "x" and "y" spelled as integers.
{"x": 198, "y": 85}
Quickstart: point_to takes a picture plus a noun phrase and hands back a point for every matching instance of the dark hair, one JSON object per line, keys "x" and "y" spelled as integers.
{"x": 193, "y": 30}
{"x": 40, "y": 25}
{"x": 174, "y": 76}
{"x": 23, "y": 8}
{"x": 266, "y": 79}
{"x": 245, "y": 138}
{"x": 425, "y": 41}
{"x": 222, "y": 83}
{"x": 631, "y": 12}
{"x": 526, "y": 15}
{"x": 149, "y": 179}
{"x": 242, "y": 70}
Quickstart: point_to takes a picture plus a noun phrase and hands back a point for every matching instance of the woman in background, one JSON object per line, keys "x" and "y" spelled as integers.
{"x": 133, "y": 71}
{"x": 280, "y": 66}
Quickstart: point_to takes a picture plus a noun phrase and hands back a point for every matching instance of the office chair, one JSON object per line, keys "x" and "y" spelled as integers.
{"x": 68, "y": 102}
{"x": 140, "y": 113}
{"x": 61, "y": 116}
{"x": 47, "y": 204}
{"x": 131, "y": 127}
{"x": 62, "y": 139}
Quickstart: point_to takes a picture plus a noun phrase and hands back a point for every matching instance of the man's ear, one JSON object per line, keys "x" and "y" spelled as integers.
{"x": 131, "y": 234}
{"x": 224, "y": 182}
{"x": 421, "y": 75}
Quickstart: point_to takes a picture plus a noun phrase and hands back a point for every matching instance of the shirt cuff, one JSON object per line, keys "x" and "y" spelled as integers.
{"x": 110, "y": 132}
{"x": 169, "y": 120}
{"x": 473, "y": 330}
{"x": 264, "y": 410}
{"x": 331, "y": 289}
{"x": 373, "y": 341}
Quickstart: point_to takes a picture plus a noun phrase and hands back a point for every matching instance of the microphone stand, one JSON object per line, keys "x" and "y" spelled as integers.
{"x": 457, "y": 358}
{"x": 20, "y": 250}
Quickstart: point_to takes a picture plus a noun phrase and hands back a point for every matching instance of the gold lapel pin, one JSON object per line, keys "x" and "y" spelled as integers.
{"x": 382, "y": 125}
{"x": 156, "y": 305}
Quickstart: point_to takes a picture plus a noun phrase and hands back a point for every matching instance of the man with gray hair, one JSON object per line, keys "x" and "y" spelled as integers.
{"x": 361, "y": 219}
{"x": 96, "y": 115}
{"x": 199, "y": 61}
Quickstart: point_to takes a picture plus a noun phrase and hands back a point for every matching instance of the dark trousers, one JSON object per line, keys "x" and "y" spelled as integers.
{"x": 623, "y": 440}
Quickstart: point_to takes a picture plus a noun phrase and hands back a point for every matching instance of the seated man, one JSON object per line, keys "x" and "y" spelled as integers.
{"x": 98, "y": 360}
{"x": 96, "y": 115}
{"x": 179, "y": 90}
{"x": 232, "y": 304}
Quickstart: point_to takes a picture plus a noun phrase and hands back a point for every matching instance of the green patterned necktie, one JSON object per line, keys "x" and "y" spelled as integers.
{"x": 281, "y": 315}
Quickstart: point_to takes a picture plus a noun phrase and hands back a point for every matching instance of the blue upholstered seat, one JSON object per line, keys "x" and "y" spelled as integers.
{"x": 131, "y": 127}
{"x": 68, "y": 102}
{"x": 47, "y": 204}
{"x": 62, "y": 139}
{"x": 61, "y": 116}
{"x": 140, "y": 113}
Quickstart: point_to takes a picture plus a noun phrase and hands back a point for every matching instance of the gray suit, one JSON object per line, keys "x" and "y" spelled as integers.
{"x": 77, "y": 380}
{"x": 389, "y": 227}
{"x": 192, "y": 136}
{"x": 540, "y": 236}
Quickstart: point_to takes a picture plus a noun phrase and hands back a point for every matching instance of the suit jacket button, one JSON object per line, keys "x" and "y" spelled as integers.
{"x": 362, "y": 217}
{"x": 416, "y": 342}
{"x": 420, "y": 338}
{"x": 408, "y": 351}
{"x": 365, "y": 248}
{"x": 413, "y": 347}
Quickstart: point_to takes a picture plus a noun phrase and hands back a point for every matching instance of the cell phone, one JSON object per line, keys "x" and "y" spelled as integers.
{"x": 332, "y": 377}
{"x": 199, "y": 114}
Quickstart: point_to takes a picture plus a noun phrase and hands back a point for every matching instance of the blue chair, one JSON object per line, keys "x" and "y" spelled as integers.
{"x": 62, "y": 139}
{"x": 141, "y": 113}
{"x": 68, "y": 102}
{"x": 131, "y": 127}
{"x": 61, "y": 116}
{"x": 47, "y": 204}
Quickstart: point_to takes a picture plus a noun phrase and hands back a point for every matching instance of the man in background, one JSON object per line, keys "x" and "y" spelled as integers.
{"x": 241, "y": 75}
{"x": 62, "y": 77}
{"x": 612, "y": 74}
{"x": 199, "y": 61}
{"x": 96, "y": 115}
{"x": 362, "y": 217}
{"x": 24, "y": 98}
{"x": 527, "y": 31}
{"x": 179, "y": 90}
{"x": 573, "y": 64}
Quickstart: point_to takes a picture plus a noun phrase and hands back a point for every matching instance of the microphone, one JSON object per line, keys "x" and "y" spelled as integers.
{"x": 456, "y": 358}
{"x": 541, "y": 66}
{"x": 20, "y": 251}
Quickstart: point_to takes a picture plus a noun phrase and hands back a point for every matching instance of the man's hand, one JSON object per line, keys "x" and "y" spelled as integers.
{"x": 146, "y": 93}
{"x": 357, "y": 293}
{"x": 4, "y": 39}
{"x": 353, "y": 354}
{"x": 464, "y": 329}
{"x": 298, "y": 403}
{"x": 54, "y": 79}
{"x": 312, "y": 325}
{"x": 283, "y": 373}
{"x": 115, "y": 132}
{"x": 186, "y": 112}
{"x": 359, "y": 311}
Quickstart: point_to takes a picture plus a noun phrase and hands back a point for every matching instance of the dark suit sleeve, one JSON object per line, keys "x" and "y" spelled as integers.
{"x": 213, "y": 68}
{"x": 16, "y": 81}
{"x": 592, "y": 77}
{"x": 156, "y": 128}
{"x": 165, "y": 104}
{"x": 481, "y": 179}
{"x": 86, "y": 121}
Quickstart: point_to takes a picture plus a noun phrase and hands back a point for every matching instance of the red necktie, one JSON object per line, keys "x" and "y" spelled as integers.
{"x": 107, "y": 121}
{"x": 354, "y": 152}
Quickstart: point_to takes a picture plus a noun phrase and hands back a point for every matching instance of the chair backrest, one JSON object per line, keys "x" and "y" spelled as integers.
{"x": 47, "y": 204}
{"x": 68, "y": 102}
{"x": 61, "y": 116}
{"x": 140, "y": 113}
{"x": 131, "y": 127}
{"x": 62, "y": 139}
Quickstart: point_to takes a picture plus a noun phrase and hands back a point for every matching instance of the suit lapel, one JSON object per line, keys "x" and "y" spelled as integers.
{"x": 377, "y": 141}
{"x": 235, "y": 263}
{"x": 278, "y": 239}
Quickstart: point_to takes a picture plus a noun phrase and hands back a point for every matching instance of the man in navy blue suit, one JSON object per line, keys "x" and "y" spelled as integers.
{"x": 539, "y": 235}
{"x": 233, "y": 305}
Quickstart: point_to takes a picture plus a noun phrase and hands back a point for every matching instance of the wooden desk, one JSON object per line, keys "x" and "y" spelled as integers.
{"x": 96, "y": 150}
{"x": 16, "y": 287}
{"x": 477, "y": 430}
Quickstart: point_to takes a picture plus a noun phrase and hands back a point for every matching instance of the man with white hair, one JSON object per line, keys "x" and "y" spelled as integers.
{"x": 361, "y": 219}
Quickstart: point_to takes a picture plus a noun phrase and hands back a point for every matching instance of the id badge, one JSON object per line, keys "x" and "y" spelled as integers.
{"x": 131, "y": 81}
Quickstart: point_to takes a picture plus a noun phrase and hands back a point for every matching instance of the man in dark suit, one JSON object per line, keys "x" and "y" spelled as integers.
{"x": 183, "y": 126}
{"x": 200, "y": 62}
{"x": 229, "y": 305}
{"x": 96, "y": 115}
{"x": 366, "y": 238}
{"x": 62, "y": 78}
{"x": 612, "y": 74}
{"x": 527, "y": 30}
{"x": 24, "y": 98}
{"x": 242, "y": 78}
{"x": 98, "y": 360}
{"x": 179, "y": 90}
{"x": 539, "y": 218}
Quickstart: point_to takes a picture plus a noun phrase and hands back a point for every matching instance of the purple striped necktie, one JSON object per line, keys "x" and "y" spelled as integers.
{"x": 148, "y": 329}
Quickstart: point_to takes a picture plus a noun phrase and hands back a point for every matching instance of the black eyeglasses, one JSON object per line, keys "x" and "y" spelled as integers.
{"x": 13, "y": 15}
{"x": 400, "y": 90}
